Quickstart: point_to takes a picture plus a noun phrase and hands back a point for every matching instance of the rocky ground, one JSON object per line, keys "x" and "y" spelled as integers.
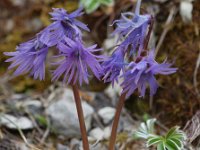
{"x": 41, "y": 115}
{"x": 49, "y": 121}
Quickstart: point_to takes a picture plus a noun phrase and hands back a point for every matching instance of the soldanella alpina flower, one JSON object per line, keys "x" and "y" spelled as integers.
{"x": 65, "y": 35}
{"x": 132, "y": 30}
{"x": 142, "y": 74}
{"x": 29, "y": 57}
{"x": 113, "y": 65}
{"x": 140, "y": 68}
{"x": 64, "y": 25}
{"x": 78, "y": 62}
{"x": 133, "y": 27}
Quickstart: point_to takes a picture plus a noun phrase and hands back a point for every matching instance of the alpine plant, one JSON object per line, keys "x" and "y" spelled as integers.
{"x": 132, "y": 61}
{"x": 133, "y": 30}
{"x": 65, "y": 35}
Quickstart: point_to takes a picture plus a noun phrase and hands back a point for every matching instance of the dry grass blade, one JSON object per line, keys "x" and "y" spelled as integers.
{"x": 167, "y": 26}
{"x": 192, "y": 128}
{"x": 22, "y": 135}
{"x": 195, "y": 76}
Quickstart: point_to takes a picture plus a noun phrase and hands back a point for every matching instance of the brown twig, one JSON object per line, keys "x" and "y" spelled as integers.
{"x": 167, "y": 28}
{"x": 116, "y": 121}
{"x": 80, "y": 117}
{"x": 195, "y": 81}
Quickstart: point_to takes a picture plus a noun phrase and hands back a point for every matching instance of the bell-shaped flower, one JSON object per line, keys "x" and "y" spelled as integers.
{"x": 113, "y": 65}
{"x": 29, "y": 57}
{"x": 64, "y": 25}
{"x": 132, "y": 28}
{"x": 142, "y": 74}
{"x": 78, "y": 62}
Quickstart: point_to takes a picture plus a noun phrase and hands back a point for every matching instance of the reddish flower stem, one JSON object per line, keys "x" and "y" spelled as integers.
{"x": 149, "y": 33}
{"x": 116, "y": 121}
{"x": 80, "y": 117}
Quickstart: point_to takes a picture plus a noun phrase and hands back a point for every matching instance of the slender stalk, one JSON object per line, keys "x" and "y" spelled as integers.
{"x": 116, "y": 121}
{"x": 137, "y": 8}
{"x": 149, "y": 33}
{"x": 80, "y": 117}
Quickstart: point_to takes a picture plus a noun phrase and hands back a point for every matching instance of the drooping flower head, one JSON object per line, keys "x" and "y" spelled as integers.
{"x": 77, "y": 63}
{"x": 29, "y": 57}
{"x": 65, "y": 35}
{"x": 64, "y": 25}
{"x": 132, "y": 30}
{"x": 142, "y": 74}
{"x": 133, "y": 26}
{"x": 113, "y": 65}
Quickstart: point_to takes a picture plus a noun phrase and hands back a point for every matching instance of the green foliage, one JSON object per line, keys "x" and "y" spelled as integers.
{"x": 173, "y": 140}
{"x": 41, "y": 120}
{"x": 91, "y": 5}
{"x": 146, "y": 129}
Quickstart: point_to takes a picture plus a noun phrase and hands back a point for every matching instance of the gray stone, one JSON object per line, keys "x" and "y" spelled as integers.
{"x": 63, "y": 115}
{"x": 114, "y": 92}
{"x": 18, "y": 3}
{"x": 100, "y": 134}
{"x": 62, "y": 147}
{"x": 186, "y": 8}
{"x": 32, "y": 106}
{"x": 97, "y": 134}
{"x": 106, "y": 114}
{"x": 13, "y": 122}
{"x": 99, "y": 146}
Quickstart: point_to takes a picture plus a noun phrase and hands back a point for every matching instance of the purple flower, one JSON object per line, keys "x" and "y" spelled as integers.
{"x": 29, "y": 57}
{"x": 134, "y": 28}
{"x": 77, "y": 63}
{"x": 64, "y": 25}
{"x": 142, "y": 73}
{"x": 113, "y": 66}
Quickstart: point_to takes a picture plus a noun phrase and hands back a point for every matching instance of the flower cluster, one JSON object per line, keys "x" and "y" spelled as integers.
{"x": 29, "y": 57}
{"x": 64, "y": 34}
{"x": 133, "y": 31}
{"x": 77, "y": 60}
{"x": 140, "y": 74}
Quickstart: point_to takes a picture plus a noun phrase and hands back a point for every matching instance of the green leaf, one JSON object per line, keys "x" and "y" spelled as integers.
{"x": 171, "y": 132}
{"x": 150, "y": 125}
{"x": 90, "y": 5}
{"x": 146, "y": 129}
{"x": 154, "y": 140}
{"x": 106, "y": 2}
{"x": 178, "y": 142}
{"x": 41, "y": 120}
{"x": 173, "y": 140}
{"x": 161, "y": 146}
{"x": 171, "y": 145}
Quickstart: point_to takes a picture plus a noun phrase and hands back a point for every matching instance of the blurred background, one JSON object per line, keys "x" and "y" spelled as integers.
{"x": 37, "y": 108}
